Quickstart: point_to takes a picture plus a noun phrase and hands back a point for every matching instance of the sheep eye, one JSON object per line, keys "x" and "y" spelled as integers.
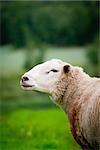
{"x": 54, "y": 70}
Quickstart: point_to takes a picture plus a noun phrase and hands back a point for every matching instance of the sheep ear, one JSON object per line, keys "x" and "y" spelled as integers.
{"x": 66, "y": 68}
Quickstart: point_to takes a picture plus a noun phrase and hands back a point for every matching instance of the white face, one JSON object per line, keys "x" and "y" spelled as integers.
{"x": 42, "y": 77}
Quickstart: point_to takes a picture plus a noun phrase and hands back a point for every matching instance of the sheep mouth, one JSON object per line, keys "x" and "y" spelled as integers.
{"x": 26, "y": 85}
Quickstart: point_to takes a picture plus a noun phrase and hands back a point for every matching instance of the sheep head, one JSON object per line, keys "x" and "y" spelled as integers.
{"x": 43, "y": 77}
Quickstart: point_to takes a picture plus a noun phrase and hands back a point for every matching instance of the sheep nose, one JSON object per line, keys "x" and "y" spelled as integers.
{"x": 25, "y": 79}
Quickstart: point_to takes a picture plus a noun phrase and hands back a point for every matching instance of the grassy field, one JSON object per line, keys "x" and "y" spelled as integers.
{"x": 26, "y": 129}
{"x": 30, "y": 120}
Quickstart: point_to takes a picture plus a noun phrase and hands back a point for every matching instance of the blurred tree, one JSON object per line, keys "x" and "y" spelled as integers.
{"x": 51, "y": 22}
{"x": 93, "y": 55}
{"x": 32, "y": 47}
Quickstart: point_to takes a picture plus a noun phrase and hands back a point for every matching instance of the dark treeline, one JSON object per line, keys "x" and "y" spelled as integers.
{"x": 56, "y": 23}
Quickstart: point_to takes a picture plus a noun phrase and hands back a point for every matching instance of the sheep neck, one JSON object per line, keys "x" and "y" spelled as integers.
{"x": 67, "y": 87}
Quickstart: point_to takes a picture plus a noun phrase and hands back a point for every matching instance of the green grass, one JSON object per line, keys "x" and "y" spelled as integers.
{"x": 31, "y": 121}
{"x": 25, "y": 129}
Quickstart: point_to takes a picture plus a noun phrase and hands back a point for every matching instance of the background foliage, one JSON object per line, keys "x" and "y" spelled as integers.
{"x": 57, "y": 23}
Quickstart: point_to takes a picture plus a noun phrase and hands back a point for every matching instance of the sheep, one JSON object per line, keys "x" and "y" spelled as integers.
{"x": 75, "y": 92}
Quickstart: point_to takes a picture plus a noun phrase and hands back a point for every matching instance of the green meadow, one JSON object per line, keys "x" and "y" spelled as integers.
{"x": 30, "y": 121}
{"x": 32, "y": 130}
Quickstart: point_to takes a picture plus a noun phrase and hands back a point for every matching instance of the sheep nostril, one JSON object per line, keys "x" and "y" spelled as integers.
{"x": 25, "y": 79}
